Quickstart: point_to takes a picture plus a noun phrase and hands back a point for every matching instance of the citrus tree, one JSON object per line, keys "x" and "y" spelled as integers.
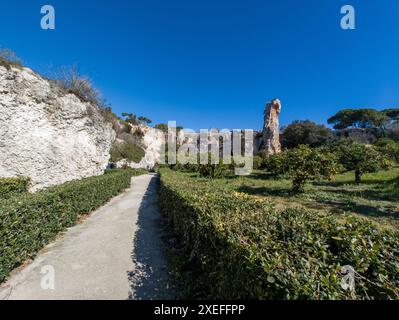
{"x": 361, "y": 159}
{"x": 302, "y": 164}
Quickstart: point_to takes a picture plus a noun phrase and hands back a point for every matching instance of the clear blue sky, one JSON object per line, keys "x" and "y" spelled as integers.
{"x": 210, "y": 63}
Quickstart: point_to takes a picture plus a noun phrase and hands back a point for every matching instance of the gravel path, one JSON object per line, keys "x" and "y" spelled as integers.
{"x": 117, "y": 253}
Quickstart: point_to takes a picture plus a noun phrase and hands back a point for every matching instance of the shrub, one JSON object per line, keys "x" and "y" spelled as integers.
{"x": 276, "y": 164}
{"x": 219, "y": 170}
{"x": 30, "y": 221}
{"x": 9, "y": 59}
{"x": 13, "y": 186}
{"x": 236, "y": 246}
{"x": 258, "y": 162}
{"x": 389, "y": 148}
{"x": 162, "y": 126}
{"x": 71, "y": 81}
{"x": 127, "y": 150}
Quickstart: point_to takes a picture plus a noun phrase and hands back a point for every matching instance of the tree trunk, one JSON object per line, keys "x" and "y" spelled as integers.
{"x": 358, "y": 176}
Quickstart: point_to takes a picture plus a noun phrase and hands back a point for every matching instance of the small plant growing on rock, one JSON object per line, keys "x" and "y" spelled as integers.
{"x": 8, "y": 58}
{"x": 71, "y": 81}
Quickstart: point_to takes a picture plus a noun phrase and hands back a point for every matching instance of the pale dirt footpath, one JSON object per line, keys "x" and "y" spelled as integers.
{"x": 117, "y": 253}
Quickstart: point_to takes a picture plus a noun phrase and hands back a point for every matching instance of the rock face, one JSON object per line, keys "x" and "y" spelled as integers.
{"x": 271, "y": 134}
{"x": 47, "y": 135}
{"x": 152, "y": 143}
{"x": 366, "y": 136}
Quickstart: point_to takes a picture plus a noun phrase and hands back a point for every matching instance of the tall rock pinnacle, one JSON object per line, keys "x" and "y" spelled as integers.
{"x": 271, "y": 134}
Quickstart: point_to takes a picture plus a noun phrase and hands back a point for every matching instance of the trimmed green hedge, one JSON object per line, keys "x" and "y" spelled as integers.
{"x": 13, "y": 186}
{"x": 30, "y": 221}
{"x": 236, "y": 246}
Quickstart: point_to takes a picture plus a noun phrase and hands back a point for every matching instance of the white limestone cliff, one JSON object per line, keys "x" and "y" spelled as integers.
{"x": 152, "y": 143}
{"x": 47, "y": 135}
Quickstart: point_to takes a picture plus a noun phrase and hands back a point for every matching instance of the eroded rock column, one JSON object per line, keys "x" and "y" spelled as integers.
{"x": 271, "y": 132}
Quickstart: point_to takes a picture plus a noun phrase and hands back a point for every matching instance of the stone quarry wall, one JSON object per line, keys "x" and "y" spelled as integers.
{"x": 152, "y": 143}
{"x": 47, "y": 135}
{"x": 367, "y": 136}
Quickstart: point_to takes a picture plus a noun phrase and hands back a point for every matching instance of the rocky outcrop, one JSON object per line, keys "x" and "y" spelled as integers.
{"x": 47, "y": 135}
{"x": 271, "y": 133}
{"x": 151, "y": 140}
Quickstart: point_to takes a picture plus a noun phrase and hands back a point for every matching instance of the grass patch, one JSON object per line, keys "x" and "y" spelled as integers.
{"x": 376, "y": 198}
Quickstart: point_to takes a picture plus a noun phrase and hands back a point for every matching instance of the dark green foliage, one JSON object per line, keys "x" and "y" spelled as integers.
{"x": 162, "y": 126}
{"x": 12, "y": 186}
{"x": 130, "y": 118}
{"x": 134, "y": 119}
{"x": 127, "y": 150}
{"x": 145, "y": 120}
{"x": 214, "y": 170}
{"x": 258, "y": 162}
{"x": 358, "y": 118}
{"x": 392, "y": 114}
{"x": 30, "y": 221}
{"x": 361, "y": 158}
{"x": 305, "y": 132}
{"x": 276, "y": 164}
{"x": 236, "y": 246}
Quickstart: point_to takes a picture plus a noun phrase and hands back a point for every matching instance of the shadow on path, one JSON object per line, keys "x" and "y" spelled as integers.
{"x": 149, "y": 280}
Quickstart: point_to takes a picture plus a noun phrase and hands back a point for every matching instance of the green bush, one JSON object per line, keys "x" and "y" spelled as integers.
{"x": 127, "y": 150}
{"x": 276, "y": 164}
{"x": 214, "y": 170}
{"x": 13, "y": 186}
{"x": 258, "y": 162}
{"x": 236, "y": 246}
{"x": 30, "y": 221}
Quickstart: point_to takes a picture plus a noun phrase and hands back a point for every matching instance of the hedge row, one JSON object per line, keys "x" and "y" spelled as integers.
{"x": 30, "y": 221}
{"x": 13, "y": 186}
{"x": 236, "y": 246}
